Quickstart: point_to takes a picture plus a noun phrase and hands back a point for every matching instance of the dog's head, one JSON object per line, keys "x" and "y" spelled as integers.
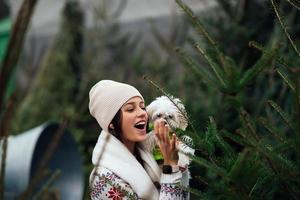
{"x": 163, "y": 108}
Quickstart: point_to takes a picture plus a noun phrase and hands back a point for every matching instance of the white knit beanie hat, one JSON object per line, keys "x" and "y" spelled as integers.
{"x": 107, "y": 97}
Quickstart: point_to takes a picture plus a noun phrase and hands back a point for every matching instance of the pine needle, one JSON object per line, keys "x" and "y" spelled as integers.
{"x": 200, "y": 28}
{"x": 284, "y": 27}
{"x": 201, "y": 72}
{"x": 286, "y": 79}
{"x": 283, "y": 115}
{"x": 217, "y": 70}
{"x": 293, "y": 4}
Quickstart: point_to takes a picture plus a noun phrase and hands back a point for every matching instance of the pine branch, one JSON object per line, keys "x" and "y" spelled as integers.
{"x": 202, "y": 180}
{"x": 283, "y": 115}
{"x": 249, "y": 124}
{"x": 284, "y": 27}
{"x": 239, "y": 167}
{"x": 260, "y": 183}
{"x": 200, "y": 28}
{"x": 201, "y": 72}
{"x": 227, "y": 149}
{"x": 293, "y": 4}
{"x": 279, "y": 59}
{"x": 272, "y": 129}
{"x": 241, "y": 141}
{"x": 277, "y": 162}
{"x": 286, "y": 79}
{"x": 284, "y": 146}
{"x": 216, "y": 69}
{"x": 260, "y": 65}
{"x": 216, "y": 169}
{"x": 297, "y": 104}
{"x": 194, "y": 191}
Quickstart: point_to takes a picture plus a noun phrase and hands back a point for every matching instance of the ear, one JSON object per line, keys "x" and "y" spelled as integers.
{"x": 183, "y": 121}
{"x": 111, "y": 126}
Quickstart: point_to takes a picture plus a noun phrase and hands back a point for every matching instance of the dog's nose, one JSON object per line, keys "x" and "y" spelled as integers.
{"x": 165, "y": 121}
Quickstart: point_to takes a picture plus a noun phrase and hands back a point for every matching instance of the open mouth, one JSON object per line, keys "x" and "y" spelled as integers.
{"x": 140, "y": 125}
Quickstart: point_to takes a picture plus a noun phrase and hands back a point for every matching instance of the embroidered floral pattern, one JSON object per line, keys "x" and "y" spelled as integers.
{"x": 173, "y": 190}
{"x": 109, "y": 186}
{"x": 98, "y": 188}
{"x": 115, "y": 194}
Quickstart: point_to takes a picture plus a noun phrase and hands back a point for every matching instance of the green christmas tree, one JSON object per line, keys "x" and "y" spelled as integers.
{"x": 57, "y": 83}
{"x": 249, "y": 150}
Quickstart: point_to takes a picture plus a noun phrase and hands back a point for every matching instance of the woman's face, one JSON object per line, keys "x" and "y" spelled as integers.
{"x": 134, "y": 120}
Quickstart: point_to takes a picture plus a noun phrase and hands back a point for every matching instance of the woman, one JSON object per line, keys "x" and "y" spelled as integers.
{"x": 124, "y": 169}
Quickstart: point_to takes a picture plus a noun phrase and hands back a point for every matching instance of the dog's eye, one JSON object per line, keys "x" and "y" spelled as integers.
{"x": 158, "y": 115}
{"x": 170, "y": 116}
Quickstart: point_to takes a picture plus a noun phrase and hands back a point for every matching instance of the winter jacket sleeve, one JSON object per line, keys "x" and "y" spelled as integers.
{"x": 172, "y": 186}
{"x": 106, "y": 185}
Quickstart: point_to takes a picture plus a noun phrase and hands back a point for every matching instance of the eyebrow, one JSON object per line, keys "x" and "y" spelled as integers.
{"x": 132, "y": 103}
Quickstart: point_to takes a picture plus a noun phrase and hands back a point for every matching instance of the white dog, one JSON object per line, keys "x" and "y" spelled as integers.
{"x": 174, "y": 113}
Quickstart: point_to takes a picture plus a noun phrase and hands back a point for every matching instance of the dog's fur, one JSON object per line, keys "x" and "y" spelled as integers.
{"x": 174, "y": 114}
{"x": 163, "y": 108}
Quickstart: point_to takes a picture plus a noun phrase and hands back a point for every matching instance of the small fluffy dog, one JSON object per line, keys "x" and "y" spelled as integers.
{"x": 173, "y": 112}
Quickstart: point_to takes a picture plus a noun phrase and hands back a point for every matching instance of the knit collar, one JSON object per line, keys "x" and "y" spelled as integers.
{"x": 118, "y": 159}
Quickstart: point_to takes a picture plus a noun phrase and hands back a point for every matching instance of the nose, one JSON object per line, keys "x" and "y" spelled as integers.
{"x": 142, "y": 112}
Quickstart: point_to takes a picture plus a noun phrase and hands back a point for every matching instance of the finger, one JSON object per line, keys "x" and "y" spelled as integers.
{"x": 156, "y": 130}
{"x": 166, "y": 134}
{"x": 173, "y": 141}
{"x": 161, "y": 132}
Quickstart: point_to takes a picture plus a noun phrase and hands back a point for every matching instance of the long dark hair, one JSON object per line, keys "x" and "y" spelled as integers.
{"x": 117, "y": 132}
{"x": 117, "y": 124}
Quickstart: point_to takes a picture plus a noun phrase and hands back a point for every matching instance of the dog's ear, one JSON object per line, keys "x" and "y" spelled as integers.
{"x": 182, "y": 114}
{"x": 183, "y": 122}
{"x": 150, "y": 109}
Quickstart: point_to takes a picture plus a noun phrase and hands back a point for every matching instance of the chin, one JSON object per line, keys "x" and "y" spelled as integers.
{"x": 143, "y": 136}
{"x": 140, "y": 135}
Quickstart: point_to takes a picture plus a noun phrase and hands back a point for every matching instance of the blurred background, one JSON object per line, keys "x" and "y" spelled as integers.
{"x": 230, "y": 62}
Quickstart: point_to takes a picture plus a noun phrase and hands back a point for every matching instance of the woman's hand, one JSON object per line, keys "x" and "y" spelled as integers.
{"x": 166, "y": 143}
